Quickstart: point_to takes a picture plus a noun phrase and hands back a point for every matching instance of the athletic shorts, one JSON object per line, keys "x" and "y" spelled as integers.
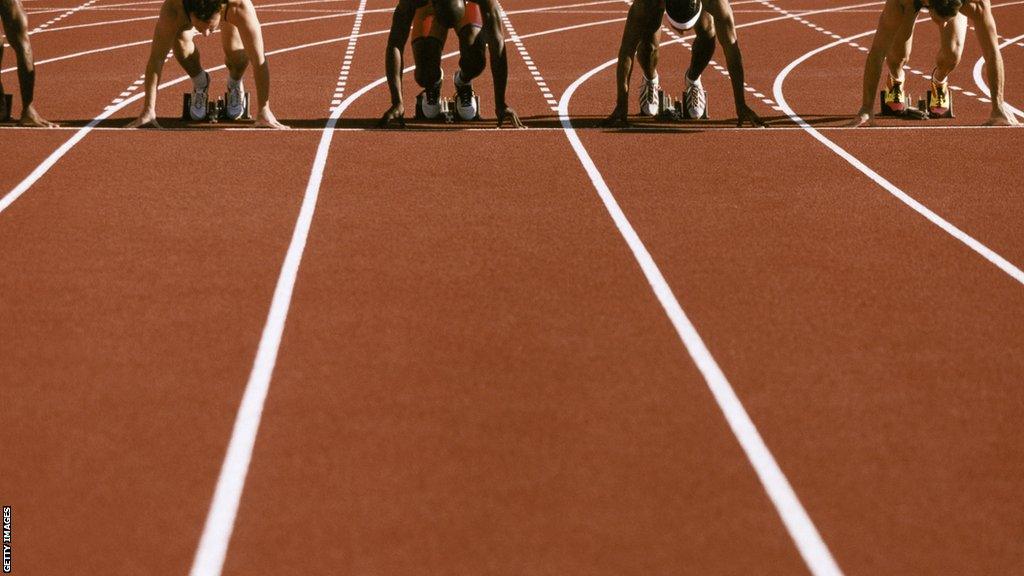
{"x": 683, "y": 14}
{"x": 423, "y": 21}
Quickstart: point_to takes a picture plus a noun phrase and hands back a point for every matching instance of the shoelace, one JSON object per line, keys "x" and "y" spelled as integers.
{"x": 647, "y": 91}
{"x": 433, "y": 95}
{"x": 694, "y": 97}
{"x": 465, "y": 95}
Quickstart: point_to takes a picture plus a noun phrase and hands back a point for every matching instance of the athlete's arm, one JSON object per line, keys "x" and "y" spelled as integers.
{"x": 985, "y": 25}
{"x": 15, "y": 25}
{"x": 892, "y": 19}
{"x": 498, "y": 60}
{"x": 168, "y": 26}
{"x": 642, "y": 23}
{"x": 401, "y": 21}
{"x": 725, "y": 29}
{"x": 243, "y": 16}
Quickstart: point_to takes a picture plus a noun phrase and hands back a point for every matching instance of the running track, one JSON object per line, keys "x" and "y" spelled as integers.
{"x": 682, "y": 349}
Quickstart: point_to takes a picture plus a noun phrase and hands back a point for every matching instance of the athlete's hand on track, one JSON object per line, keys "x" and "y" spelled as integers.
{"x": 394, "y": 116}
{"x": 861, "y": 119}
{"x": 32, "y": 119}
{"x": 1002, "y": 117}
{"x": 747, "y": 115}
{"x": 510, "y": 115}
{"x": 619, "y": 118}
{"x": 147, "y": 118}
{"x": 266, "y": 119}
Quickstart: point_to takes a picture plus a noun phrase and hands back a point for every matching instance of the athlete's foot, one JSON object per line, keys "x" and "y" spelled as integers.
{"x": 938, "y": 104}
{"x": 31, "y": 118}
{"x": 235, "y": 106}
{"x": 465, "y": 99}
{"x": 198, "y": 107}
{"x": 895, "y": 100}
{"x": 695, "y": 99}
{"x": 649, "y": 97}
{"x": 431, "y": 101}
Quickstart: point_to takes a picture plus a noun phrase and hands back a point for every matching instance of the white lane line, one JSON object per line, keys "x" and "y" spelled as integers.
{"x": 42, "y": 27}
{"x": 797, "y": 522}
{"x": 985, "y": 252}
{"x": 81, "y": 133}
{"x": 518, "y": 42}
{"x": 220, "y": 522}
{"x": 795, "y": 518}
{"x": 983, "y": 86}
{"x": 913, "y": 71}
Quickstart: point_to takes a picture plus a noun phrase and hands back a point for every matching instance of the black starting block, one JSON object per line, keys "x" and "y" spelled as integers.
{"x": 448, "y": 112}
{"x": 216, "y": 110}
{"x": 922, "y": 106}
{"x": 8, "y": 102}
{"x": 671, "y": 109}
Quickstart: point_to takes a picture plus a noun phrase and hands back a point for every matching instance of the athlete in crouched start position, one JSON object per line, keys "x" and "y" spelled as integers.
{"x": 710, "y": 21}
{"x": 478, "y": 26}
{"x": 179, "y": 22}
{"x": 893, "y": 41}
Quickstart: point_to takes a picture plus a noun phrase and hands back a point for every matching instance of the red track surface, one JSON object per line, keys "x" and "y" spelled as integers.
{"x": 475, "y": 376}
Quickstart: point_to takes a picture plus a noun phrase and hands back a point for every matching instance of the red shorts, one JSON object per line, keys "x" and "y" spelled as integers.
{"x": 423, "y": 23}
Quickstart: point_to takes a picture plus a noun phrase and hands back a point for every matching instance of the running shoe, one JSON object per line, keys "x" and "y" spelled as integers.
{"x": 465, "y": 99}
{"x": 431, "y": 106}
{"x": 235, "y": 105}
{"x": 895, "y": 100}
{"x": 199, "y": 102}
{"x": 695, "y": 99}
{"x": 938, "y": 101}
{"x": 649, "y": 97}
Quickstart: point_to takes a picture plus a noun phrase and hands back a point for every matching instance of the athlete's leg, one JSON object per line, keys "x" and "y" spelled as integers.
{"x": 647, "y": 55}
{"x": 472, "y": 52}
{"x": 235, "y": 57}
{"x": 187, "y": 54}
{"x": 703, "y": 46}
{"x": 951, "y": 47}
{"x": 426, "y": 54}
{"x": 899, "y": 52}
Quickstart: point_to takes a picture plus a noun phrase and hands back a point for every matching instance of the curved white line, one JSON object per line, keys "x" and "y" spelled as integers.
{"x": 983, "y": 86}
{"x": 801, "y": 528}
{"x": 987, "y": 253}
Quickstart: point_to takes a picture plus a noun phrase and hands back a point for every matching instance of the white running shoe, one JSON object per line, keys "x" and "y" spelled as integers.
{"x": 235, "y": 105}
{"x": 465, "y": 99}
{"x": 695, "y": 99}
{"x": 649, "y": 97}
{"x": 431, "y": 101}
{"x": 200, "y": 100}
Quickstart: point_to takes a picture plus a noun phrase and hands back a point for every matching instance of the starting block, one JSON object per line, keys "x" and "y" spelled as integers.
{"x": 671, "y": 109}
{"x": 8, "y": 102}
{"x": 216, "y": 110}
{"x": 448, "y": 112}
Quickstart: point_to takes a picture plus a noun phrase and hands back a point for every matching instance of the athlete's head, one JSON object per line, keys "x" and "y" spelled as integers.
{"x": 204, "y": 14}
{"x": 449, "y": 12}
{"x": 944, "y": 9}
{"x": 683, "y": 14}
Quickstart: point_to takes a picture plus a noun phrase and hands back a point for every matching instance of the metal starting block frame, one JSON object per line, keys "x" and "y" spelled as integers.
{"x": 216, "y": 110}
{"x": 671, "y": 109}
{"x": 448, "y": 112}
